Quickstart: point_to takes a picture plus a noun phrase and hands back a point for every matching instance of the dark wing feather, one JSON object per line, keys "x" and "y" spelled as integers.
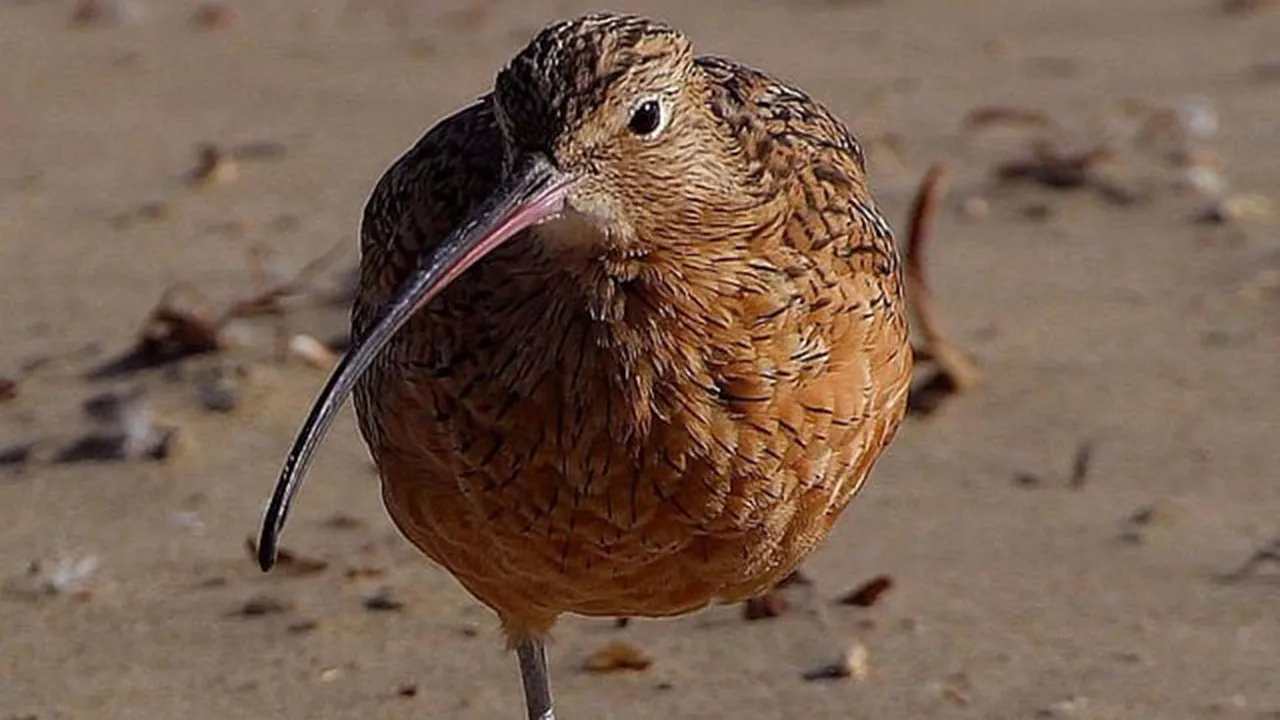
{"x": 424, "y": 195}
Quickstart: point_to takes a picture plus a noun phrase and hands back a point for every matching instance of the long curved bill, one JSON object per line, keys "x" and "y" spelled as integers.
{"x": 532, "y": 194}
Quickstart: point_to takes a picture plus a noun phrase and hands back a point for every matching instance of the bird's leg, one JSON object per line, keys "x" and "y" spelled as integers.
{"x": 537, "y": 682}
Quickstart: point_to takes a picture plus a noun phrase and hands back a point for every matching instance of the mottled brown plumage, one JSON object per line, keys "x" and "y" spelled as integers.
{"x": 664, "y": 394}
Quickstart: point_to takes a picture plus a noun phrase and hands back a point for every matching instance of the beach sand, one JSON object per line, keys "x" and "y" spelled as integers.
{"x": 1058, "y": 538}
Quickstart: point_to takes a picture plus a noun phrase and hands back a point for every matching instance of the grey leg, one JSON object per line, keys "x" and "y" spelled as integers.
{"x": 537, "y": 683}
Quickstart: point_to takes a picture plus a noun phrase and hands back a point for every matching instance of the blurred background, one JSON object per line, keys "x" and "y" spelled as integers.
{"x": 1090, "y": 531}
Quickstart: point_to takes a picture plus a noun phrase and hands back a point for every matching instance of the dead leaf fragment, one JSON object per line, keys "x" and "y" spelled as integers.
{"x": 955, "y": 688}
{"x": 302, "y": 627}
{"x": 989, "y": 115}
{"x": 617, "y": 656}
{"x": 1080, "y": 465}
{"x": 171, "y": 334}
{"x": 1268, "y": 554}
{"x": 213, "y": 15}
{"x": 363, "y": 573}
{"x": 770, "y": 605}
{"x": 260, "y": 605}
{"x": 8, "y": 389}
{"x": 1052, "y": 168}
{"x": 869, "y": 593}
{"x": 213, "y": 167}
{"x": 106, "y": 13}
{"x": 343, "y": 521}
{"x": 128, "y": 430}
{"x": 15, "y": 457}
{"x": 1243, "y": 7}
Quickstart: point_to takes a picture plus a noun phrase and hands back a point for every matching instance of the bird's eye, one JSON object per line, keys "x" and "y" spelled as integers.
{"x": 647, "y": 119}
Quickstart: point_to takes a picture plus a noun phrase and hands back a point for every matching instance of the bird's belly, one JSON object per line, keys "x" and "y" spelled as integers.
{"x": 592, "y": 492}
{"x": 610, "y": 533}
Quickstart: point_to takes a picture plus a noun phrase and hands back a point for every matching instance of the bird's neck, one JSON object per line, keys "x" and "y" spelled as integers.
{"x": 656, "y": 314}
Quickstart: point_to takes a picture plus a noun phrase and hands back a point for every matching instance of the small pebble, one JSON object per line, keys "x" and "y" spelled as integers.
{"x": 1236, "y": 208}
{"x": 1198, "y": 117}
{"x": 68, "y": 574}
{"x": 1064, "y": 708}
{"x": 312, "y": 351}
{"x": 407, "y": 690}
{"x": 218, "y": 394}
{"x": 855, "y": 664}
{"x": 1204, "y": 180}
{"x": 975, "y": 207}
{"x": 381, "y": 601}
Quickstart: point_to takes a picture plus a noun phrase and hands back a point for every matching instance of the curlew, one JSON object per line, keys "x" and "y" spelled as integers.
{"x": 630, "y": 333}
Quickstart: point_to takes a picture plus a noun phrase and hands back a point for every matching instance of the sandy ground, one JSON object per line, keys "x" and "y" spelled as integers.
{"x": 1112, "y": 321}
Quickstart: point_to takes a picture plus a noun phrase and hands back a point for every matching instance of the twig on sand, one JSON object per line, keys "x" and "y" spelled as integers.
{"x": 957, "y": 373}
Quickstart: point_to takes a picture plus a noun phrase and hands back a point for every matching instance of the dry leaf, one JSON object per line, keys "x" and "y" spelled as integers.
{"x": 260, "y": 605}
{"x": 869, "y": 593}
{"x": 1005, "y": 115}
{"x": 770, "y": 605}
{"x": 1268, "y": 554}
{"x": 342, "y": 521}
{"x": 302, "y": 627}
{"x": 1241, "y": 7}
{"x": 617, "y": 656}
{"x": 955, "y": 688}
{"x": 1051, "y": 168}
{"x": 106, "y": 12}
{"x": 213, "y": 166}
{"x": 362, "y": 573}
{"x": 1080, "y": 465}
{"x": 213, "y": 15}
{"x": 171, "y": 334}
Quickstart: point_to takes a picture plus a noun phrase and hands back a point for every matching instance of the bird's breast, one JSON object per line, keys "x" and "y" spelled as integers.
{"x": 521, "y": 431}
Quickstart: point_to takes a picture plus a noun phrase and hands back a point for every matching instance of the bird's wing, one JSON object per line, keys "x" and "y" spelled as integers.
{"x": 841, "y": 359}
{"x": 424, "y": 195}
{"x": 418, "y": 201}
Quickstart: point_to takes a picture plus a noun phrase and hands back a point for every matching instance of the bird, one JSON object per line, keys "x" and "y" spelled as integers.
{"x": 629, "y": 335}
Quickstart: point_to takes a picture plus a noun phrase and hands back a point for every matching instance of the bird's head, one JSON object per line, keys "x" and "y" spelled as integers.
{"x": 612, "y": 107}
